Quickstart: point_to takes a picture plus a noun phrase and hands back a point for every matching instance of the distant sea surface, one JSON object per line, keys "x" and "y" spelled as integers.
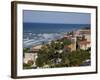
{"x": 50, "y": 28}
{"x": 37, "y": 33}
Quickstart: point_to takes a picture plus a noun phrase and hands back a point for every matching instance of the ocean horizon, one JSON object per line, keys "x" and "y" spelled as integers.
{"x": 51, "y": 27}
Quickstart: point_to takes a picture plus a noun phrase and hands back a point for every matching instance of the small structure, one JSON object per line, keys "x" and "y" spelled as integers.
{"x": 83, "y": 32}
{"x": 72, "y": 47}
{"x": 30, "y": 57}
{"x": 84, "y": 45}
{"x": 88, "y": 37}
{"x": 36, "y": 48}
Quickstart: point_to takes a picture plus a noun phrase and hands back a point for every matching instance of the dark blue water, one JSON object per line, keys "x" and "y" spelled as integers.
{"x": 37, "y": 33}
{"x": 51, "y": 28}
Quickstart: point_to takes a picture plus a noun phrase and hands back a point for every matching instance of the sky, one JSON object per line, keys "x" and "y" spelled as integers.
{"x": 33, "y": 16}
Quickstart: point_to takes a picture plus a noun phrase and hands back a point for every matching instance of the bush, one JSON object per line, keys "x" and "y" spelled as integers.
{"x": 26, "y": 66}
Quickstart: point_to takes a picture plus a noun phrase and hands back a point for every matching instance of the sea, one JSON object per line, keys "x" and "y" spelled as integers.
{"x": 38, "y": 33}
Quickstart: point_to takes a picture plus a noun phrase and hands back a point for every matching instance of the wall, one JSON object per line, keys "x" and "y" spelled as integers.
{"x": 5, "y": 43}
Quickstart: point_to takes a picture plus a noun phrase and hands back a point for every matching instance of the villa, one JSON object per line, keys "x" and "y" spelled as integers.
{"x": 84, "y": 45}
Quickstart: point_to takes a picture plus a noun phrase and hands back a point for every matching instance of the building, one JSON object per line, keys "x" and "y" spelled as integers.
{"x": 30, "y": 57}
{"x": 84, "y": 45}
{"x": 72, "y": 47}
{"x": 82, "y": 32}
{"x": 88, "y": 37}
{"x": 36, "y": 48}
{"x": 84, "y": 38}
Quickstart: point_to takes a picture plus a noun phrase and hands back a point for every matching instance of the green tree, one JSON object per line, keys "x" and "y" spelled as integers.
{"x": 78, "y": 57}
{"x": 25, "y": 50}
{"x": 42, "y": 56}
{"x": 66, "y": 42}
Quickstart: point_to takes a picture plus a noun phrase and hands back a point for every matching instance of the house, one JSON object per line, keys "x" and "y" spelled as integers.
{"x": 30, "y": 57}
{"x": 87, "y": 37}
{"x": 84, "y": 45}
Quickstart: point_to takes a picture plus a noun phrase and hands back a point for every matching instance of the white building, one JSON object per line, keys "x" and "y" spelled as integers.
{"x": 88, "y": 37}
{"x": 30, "y": 56}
